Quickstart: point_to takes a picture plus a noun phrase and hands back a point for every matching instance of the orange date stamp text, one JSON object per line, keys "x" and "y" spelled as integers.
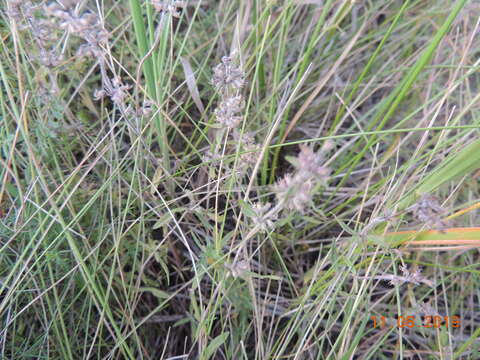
{"x": 427, "y": 321}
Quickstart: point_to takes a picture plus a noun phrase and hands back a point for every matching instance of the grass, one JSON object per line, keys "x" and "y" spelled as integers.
{"x": 136, "y": 224}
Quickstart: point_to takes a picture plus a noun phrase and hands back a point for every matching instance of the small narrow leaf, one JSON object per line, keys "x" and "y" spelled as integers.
{"x": 247, "y": 208}
{"x": 160, "y": 294}
{"x": 214, "y": 345}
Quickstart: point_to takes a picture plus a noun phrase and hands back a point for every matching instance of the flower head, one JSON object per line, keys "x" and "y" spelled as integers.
{"x": 86, "y": 26}
{"x": 168, "y": 6}
{"x": 310, "y": 163}
{"x": 427, "y": 309}
{"x": 414, "y": 277}
{"x": 227, "y": 75}
{"x": 115, "y": 89}
{"x": 428, "y": 210}
{"x": 226, "y": 112}
{"x": 263, "y": 219}
{"x": 294, "y": 192}
{"x": 238, "y": 269}
{"x": 249, "y": 150}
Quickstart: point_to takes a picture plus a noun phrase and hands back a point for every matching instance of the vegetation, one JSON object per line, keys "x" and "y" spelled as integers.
{"x": 258, "y": 179}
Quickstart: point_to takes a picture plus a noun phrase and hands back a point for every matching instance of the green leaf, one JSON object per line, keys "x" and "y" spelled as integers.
{"x": 156, "y": 292}
{"x": 247, "y": 209}
{"x": 292, "y": 160}
{"x": 214, "y": 345}
{"x": 167, "y": 217}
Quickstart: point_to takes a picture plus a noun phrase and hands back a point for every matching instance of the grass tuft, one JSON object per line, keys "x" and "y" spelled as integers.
{"x": 239, "y": 179}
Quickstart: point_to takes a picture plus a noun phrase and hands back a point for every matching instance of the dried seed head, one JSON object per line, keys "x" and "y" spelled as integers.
{"x": 115, "y": 89}
{"x": 328, "y": 146}
{"x": 68, "y": 4}
{"x": 99, "y": 94}
{"x": 169, "y": 6}
{"x": 238, "y": 269}
{"x": 226, "y": 113}
{"x": 118, "y": 92}
{"x": 43, "y": 31}
{"x": 310, "y": 163}
{"x": 86, "y": 26}
{"x": 246, "y": 138}
{"x": 147, "y": 108}
{"x": 426, "y": 309}
{"x": 302, "y": 196}
{"x": 414, "y": 277}
{"x": 211, "y": 157}
{"x": 227, "y": 76}
{"x": 17, "y": 9}
{"x": 262, "y": 218}
{"x": 249, "y": 148}
{"x": 294, "y": 192}
{"x": 49, "y": 58}
{"x": 429, "y": 211}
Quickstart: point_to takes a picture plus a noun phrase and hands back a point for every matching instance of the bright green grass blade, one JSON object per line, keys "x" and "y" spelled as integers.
{"x": 456, "y": 165}
{"x": 390, "y": 105}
